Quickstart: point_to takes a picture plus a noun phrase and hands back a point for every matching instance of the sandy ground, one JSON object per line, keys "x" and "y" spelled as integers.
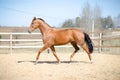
{"x": 21, "y": 67}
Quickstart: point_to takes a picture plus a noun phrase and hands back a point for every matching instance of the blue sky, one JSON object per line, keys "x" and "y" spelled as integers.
{"x": 54, "y": 12}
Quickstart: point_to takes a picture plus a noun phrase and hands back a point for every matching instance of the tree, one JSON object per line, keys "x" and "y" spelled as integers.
{"x": 86, "y": 17}
{"x": 77, "y": 22}
{"x": 97, "y": 18}
{"x": 109, "y": 22}
{"x": 103, "y": 20}
{"x": 68, "y": 23}
{"x": 117, "y": 21}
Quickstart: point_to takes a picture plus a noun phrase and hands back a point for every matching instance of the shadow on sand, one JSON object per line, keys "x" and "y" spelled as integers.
{"x": 55, "y": 62}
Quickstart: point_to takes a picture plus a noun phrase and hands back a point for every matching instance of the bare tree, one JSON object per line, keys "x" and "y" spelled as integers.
{"x": 117, "y": 21}
{"x": 86, "y": 17}
{"x": 77, "y": 22}
{"x": 97, "y": 18}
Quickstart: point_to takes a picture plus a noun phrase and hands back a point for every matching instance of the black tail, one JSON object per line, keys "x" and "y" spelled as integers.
{"x": 89, "y": 42}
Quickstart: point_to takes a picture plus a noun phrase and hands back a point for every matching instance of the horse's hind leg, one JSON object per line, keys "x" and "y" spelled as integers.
{"x": 76, "y": 49}
{"x": 84, "y": 46}
{"x": 54, "y": 53}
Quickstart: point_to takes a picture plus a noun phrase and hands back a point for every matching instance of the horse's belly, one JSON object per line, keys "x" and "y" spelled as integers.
{"x": 63, "y": 38}
{"x": 62, "y": 41}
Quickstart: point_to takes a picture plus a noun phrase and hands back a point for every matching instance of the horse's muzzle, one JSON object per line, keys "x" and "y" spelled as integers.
{"x": 29, "y": 30}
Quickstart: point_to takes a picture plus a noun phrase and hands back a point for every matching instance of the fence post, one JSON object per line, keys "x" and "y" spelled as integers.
{"x": 11, "y": 43}
{"x": 100, "y": 43}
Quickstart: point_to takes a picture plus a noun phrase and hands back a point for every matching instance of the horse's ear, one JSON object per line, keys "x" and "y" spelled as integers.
{"x": 34, "y": 18}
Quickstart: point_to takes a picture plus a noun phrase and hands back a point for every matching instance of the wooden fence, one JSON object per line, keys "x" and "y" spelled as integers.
{"x": 101, "y": 40}
{"x": 106, "y": 40}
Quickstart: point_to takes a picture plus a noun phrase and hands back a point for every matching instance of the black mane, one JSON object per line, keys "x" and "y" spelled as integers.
{"x": 44, "y": 21}
{"x": 41, "y": 19}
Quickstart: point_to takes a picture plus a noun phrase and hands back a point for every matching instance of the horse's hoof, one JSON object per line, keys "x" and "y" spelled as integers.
{"x": 91, "y": 61}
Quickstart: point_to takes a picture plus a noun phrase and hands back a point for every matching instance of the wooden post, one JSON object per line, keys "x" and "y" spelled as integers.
{"x": 11, "y": 44}
{"x": 100, "y": 43}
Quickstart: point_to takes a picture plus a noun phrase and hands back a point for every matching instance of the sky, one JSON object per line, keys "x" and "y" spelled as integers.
{"x": 54, "y": 12}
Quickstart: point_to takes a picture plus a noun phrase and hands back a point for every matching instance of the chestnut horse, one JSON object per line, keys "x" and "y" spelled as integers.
{"x": 52, "y": 36}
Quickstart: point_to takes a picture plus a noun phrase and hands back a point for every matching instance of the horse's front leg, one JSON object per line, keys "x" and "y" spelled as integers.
{"x": 54, "y": 53}
{"x": 41, "y": 50}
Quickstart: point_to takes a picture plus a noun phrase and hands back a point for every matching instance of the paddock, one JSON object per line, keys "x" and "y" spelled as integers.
{"x": 18, "y": 52}
{"x": 20, "y": 66}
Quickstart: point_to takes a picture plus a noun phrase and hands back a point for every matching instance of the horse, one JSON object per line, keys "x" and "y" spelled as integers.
{"x": 52, "y": 36}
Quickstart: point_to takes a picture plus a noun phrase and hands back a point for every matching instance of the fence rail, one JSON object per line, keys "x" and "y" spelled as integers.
{"x": 111, "y": 37}
{"x": 11, "y": 45}
{"x": 31, "y": 43}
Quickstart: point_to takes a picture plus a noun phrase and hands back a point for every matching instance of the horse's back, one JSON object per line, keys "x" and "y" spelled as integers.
{"x": 62, "y": 36}
{"x": 72, "y": 32}
{"x": 65, "y": 36}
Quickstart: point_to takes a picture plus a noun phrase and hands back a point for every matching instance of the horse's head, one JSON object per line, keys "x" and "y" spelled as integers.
{"x": 34, "y": 25}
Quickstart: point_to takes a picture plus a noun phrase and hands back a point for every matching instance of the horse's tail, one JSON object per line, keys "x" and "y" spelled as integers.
{"x": 88, "y": 42}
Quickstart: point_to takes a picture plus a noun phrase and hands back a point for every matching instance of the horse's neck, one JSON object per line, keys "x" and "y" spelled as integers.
{"x": 44, "y": 28}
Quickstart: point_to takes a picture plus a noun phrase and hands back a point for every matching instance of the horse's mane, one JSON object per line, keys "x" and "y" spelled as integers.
{"x": 41, "y": 19}
{"x": 44, "y": 21}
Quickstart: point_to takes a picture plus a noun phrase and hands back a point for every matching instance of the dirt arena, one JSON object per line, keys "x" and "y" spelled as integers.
{"x": 20, "y": 66}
